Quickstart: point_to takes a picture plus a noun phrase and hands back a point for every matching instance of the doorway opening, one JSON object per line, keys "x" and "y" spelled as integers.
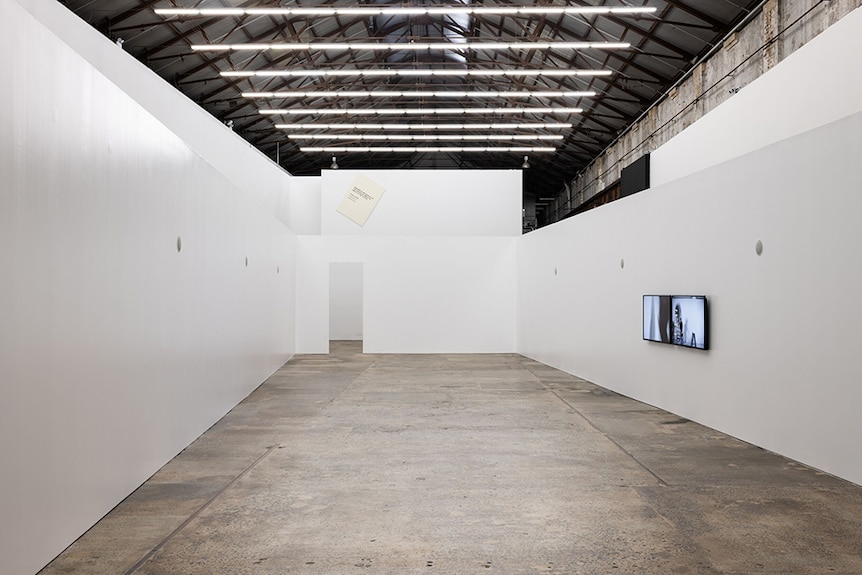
{"x": 345, "y": 304}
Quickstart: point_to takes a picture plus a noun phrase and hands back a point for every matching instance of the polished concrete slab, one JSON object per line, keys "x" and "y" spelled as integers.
{"x": 458, "y": 464}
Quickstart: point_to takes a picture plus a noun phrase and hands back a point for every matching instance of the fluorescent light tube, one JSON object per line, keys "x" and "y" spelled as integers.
{"x": 415, "y": 46}
{"x": 418, "y": 94}
{"x": 423, "y": 149}
{"x": 407, "y": 10}
{"x": 428, "y": 127}
{"x": 433, "y": 137}
{"x": 557, "y": 72}
{"x": 416, "y": 111}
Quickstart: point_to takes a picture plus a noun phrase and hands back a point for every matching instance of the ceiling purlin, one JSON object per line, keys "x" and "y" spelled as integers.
{"x": 228, "y": 83}
{"x": 662, "y": 56}
{"x": 211, "y": 58}
{"x": 715, "y": 25}
{"x": 619, "y": 98}
{"x": 106, "y": 27}
{"x": 534, "y": 35}
{"x": 569, "y": 160}
{"x": 594, "y": 116}
{"x": 681, "y": 24}
{"x": 140, "y": 26}
{"x": 625, "y": 61}
{"x": 649, "y": 32}
{"x": 648, "y": 35}
{"x": 178, "y": 78}
{"x": 539, "y": 27}
{"x": 634, "y": 84}
{"x": 178, "y": 35}
{"x": 456, "y": 28}
{"x": 475, "y": 30}
{"x": 583, "y": 148}
{"x": 588, "y": 147}
{"x": 630, "y": 59}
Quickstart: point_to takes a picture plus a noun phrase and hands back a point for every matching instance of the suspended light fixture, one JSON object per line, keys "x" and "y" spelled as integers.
{"x": 334, "y": 164}
{"x": 526, "y": 163}
{"x": 366, "y": 11}
{"x": 424, "y": 149}
{"x": 427, "y": 137}
{"x": 411, "y": 46}
{"x": 428, "y": 127}
{"x": 415, "y": 111}
{"x": 409, "y": 72}
{"x": 421, "y": 94}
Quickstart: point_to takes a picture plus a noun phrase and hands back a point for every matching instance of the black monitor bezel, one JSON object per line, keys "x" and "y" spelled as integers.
{"x": 706, "y": 327}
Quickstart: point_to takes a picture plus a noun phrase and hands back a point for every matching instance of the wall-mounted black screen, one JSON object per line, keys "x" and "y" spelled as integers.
{"x": 676, "y": 319}
{"x": 635, "y": 177}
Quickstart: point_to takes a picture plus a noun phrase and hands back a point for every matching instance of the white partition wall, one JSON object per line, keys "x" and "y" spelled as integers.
{"x": 304, "y": 201}
{"x": 237, "y": 160}
{"x": 439, "y": 261}
{"x": 428, "y": 203}
{"x": 815, "y": 85}
{"x": 783, "y": 369}
{"x": 421, "y": 295}
{"x": 143, "y": 293}
{"x": 151, "y": 279}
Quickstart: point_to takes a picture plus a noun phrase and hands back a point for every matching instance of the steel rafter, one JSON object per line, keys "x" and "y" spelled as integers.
{"x": 664, "y": 47}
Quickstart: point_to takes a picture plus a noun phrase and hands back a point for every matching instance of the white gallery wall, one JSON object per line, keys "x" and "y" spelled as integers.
{"x": 438, "y": 255}
{"x": 304, "y": 205}
{"x": 421, "y": 294}
{"x": 814, "y": 86}
{"x": 151, "y": 278}
{"x": 783, "y": 371}
{"x": 143, "y": 293}
{"x": 236, "y": 159}
{"x": 429, "y": 203}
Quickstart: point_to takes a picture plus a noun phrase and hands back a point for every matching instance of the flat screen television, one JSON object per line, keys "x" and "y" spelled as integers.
{"x": 676, "y": 320}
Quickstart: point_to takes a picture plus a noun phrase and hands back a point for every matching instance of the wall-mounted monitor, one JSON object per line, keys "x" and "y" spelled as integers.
{"x": 677, "y": 320}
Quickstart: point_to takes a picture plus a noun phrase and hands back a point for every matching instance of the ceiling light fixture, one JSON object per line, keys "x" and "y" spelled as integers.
{"x": 556, "y": 72}
{"x": 429, "y": 138}
{"x": 420, "y": 94}
{"x": 334, "y": 164}
{"x": 413, "y": 46}
{"x": 526, "y": 163}
{"x": 422, "y": 149}
{"x": 428, "y": 127}
{"x": 416, "y": 111}
{"x": 365, "y": 11}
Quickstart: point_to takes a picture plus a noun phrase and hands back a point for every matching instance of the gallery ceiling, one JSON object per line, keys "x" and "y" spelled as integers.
{"x": 377, "y": 83}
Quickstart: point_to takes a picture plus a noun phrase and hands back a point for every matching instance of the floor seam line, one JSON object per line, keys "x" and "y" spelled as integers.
{"x": 134, "y": 568}
{"x": 343, "y": 391}
{"x": 608, "y": 437}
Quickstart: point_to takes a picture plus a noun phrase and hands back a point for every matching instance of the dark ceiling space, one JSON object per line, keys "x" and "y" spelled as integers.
{"x": 664, "y": 45}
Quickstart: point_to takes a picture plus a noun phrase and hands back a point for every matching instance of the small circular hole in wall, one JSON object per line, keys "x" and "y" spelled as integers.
{"x": 179, "y": 244}
{"x": 622, "y": 263}
{"x": 758, "y": 247}
{"x": 246, "y": 262}
{"x": 277, "y": 269}
{"x": 555, "y": 271}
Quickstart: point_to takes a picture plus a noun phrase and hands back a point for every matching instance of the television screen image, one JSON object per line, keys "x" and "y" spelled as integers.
{"x": 676, "y": 319}
{"x": 688, "y": 324}
{"x": 656, "y": 318}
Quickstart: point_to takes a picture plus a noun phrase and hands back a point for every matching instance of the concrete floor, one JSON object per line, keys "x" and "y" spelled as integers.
{"x": 461, "y": 464}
